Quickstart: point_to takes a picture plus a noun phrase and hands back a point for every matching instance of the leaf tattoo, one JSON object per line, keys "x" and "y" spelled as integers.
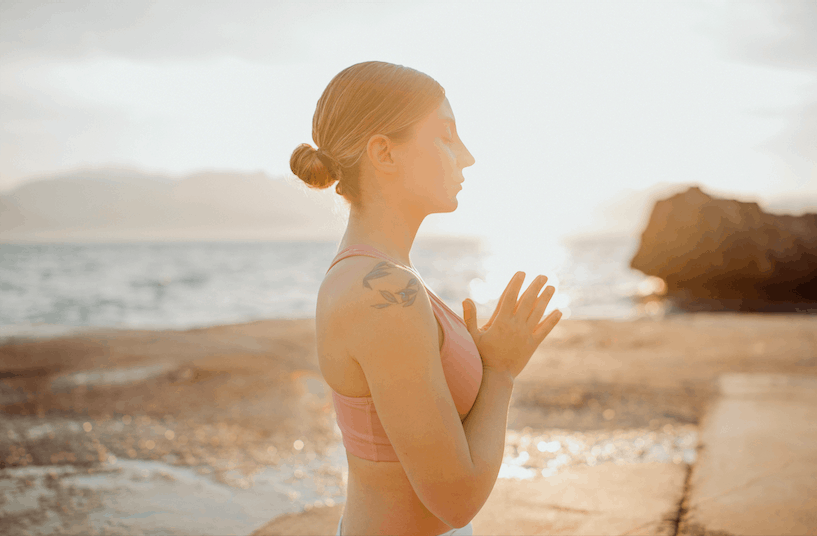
{"x": 407, "y": 295}
{"x": 376, "y": 273}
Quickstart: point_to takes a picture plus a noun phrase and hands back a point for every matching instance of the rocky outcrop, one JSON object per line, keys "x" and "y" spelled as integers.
{"x": 722, "y": 254}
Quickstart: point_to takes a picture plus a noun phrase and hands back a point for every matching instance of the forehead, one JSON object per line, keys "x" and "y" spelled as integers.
{"x": 445, "y": 113}
{"x": 441, "y": 116}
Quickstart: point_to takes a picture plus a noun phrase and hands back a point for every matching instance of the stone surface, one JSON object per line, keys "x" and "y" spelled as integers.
{"x": 232, "y": 386}
{"x": 605, "y": 499}
{"x": 638, "y": 499}
{"x": 316, "y": 521}
{"x": 757, "y": 470}
{"x": 722, "y": 254}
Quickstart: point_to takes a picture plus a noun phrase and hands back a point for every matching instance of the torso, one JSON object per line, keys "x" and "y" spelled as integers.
{"x": 379, "y": 496}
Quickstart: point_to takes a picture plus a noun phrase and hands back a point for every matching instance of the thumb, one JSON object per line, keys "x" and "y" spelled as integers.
{"x": 469, "y": 315}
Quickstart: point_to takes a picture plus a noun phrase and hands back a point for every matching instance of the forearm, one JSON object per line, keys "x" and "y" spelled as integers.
{"x": 485, "y": 431}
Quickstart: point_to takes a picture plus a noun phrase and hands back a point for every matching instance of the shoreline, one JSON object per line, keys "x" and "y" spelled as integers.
{"x": 44, "y": 330}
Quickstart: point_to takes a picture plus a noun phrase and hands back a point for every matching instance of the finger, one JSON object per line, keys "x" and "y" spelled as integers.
{"x": 527, "y": 302}
{"x": 541, "y": 304}
{"x": 496, "y": 309}
{"x": 508, "y": 303}
{"x": 546, "y": 326}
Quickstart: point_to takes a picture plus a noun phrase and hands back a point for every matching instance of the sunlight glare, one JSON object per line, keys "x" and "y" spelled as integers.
{"x": 504, "y": 258}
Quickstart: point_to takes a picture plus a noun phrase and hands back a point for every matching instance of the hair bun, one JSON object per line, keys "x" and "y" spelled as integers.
{"x": 316, "y": 168}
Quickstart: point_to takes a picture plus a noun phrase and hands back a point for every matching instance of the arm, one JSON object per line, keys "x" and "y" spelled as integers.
{"x": 485, "y": 428}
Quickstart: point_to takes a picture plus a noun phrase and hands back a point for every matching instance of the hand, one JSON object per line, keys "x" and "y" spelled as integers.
{"x": 507, "y": 341}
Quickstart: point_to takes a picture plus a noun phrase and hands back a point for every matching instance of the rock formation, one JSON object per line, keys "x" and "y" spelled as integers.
{"x": 722, "y": 254}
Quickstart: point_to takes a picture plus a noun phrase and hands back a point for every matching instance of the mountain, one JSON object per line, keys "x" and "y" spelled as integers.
{"x": 626, "y": 213}
{"x": 125, "y": 205}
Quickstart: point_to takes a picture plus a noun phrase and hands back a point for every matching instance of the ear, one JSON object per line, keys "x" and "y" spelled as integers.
{"x": 379, "y": 150}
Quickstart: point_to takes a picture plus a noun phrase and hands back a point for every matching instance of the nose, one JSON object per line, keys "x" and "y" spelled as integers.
{"x": 466, "y": 159}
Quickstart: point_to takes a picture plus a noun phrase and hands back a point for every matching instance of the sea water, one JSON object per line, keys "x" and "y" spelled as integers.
{"x": 196, "y": 284}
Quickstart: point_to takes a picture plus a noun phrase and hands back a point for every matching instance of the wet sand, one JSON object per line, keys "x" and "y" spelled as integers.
{"x": 127, "y": 432}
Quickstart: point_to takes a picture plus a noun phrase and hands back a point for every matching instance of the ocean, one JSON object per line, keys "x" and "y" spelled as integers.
{"x": 198, "y": 284}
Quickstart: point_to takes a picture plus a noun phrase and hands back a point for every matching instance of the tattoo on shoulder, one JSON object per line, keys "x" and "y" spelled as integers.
{"x": 406, "y": 295}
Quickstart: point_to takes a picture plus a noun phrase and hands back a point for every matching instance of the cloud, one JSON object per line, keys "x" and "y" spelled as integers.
{"x": 259, "y": 30}
{"x": 777, "y": 34}
{"x": 782, "y": 35}
{"x": 149, "y": 30}
{"x": 70, "y": 70}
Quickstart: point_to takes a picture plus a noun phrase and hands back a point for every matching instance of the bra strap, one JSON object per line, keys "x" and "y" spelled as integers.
{"x": 367, "y": 251}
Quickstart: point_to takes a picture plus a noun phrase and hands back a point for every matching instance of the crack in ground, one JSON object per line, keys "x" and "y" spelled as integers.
{"x": 683, "y": 504}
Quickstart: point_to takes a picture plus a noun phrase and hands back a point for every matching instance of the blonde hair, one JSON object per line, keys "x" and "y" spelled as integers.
{"x": 363, "y": 100}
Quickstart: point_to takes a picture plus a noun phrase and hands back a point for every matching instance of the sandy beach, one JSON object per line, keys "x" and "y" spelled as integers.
{"x": 230, "y": 429}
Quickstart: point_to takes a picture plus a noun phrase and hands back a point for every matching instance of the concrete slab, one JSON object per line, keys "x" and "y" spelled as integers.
{"x": 757, "y": 469}
{"x": 605, "y": 499}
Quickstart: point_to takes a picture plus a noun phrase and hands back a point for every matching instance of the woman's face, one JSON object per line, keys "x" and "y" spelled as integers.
{"x": 433, "y": 161}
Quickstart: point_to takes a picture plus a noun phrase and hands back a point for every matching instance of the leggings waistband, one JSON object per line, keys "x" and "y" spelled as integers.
{"x": 467, "y": 530}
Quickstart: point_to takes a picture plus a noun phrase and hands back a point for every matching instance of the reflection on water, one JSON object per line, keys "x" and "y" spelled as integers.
{"x": 503, "y": 259}
{"x": 154, "y": 497}
{"x": 592, "y": 278}
{"x": 530, "y": 455}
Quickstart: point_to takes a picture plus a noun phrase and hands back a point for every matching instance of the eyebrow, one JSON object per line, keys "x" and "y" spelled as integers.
{"x": 449, "y": 120}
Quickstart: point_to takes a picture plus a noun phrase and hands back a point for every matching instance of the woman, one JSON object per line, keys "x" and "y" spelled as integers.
{"x": 421, "y": 396}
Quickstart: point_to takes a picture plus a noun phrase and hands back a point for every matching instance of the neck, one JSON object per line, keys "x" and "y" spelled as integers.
{"x": 384, "y": 228}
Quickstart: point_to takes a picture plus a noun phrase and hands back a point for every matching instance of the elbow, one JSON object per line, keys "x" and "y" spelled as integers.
{"x": 465, "y": 515}
{"x": 475, "y": 496}
{"x": 457, "y": 502}
{"x": 471, "y": 503}
{"x": 460, "y": 519}
{"x": 456, "y": 517}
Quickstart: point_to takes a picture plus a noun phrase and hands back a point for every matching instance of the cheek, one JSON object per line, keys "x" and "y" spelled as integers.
{"x": 431, "y": 164}
{"x": 443, "y": 156}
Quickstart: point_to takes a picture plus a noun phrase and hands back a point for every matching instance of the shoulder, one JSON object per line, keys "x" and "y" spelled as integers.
{"x": 363, "y": 296}
{"x": 371, "y": 281}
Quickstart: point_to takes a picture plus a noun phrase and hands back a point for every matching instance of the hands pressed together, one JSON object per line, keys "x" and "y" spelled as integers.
{"x": 507, "y": 341}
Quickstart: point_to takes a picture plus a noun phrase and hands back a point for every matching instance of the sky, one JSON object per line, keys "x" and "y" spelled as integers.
{"x": 568, "y": 107}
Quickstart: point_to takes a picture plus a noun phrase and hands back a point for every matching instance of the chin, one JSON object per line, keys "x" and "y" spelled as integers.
{"x": 452, "y": 205}
{"x": 449, "y": 203}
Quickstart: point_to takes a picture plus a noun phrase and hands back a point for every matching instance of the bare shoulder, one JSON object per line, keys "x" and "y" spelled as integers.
{"x": 357, "y": 288}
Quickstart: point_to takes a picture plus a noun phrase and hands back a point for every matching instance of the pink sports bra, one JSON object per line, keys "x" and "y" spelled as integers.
{"x": 363, "y": 434}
